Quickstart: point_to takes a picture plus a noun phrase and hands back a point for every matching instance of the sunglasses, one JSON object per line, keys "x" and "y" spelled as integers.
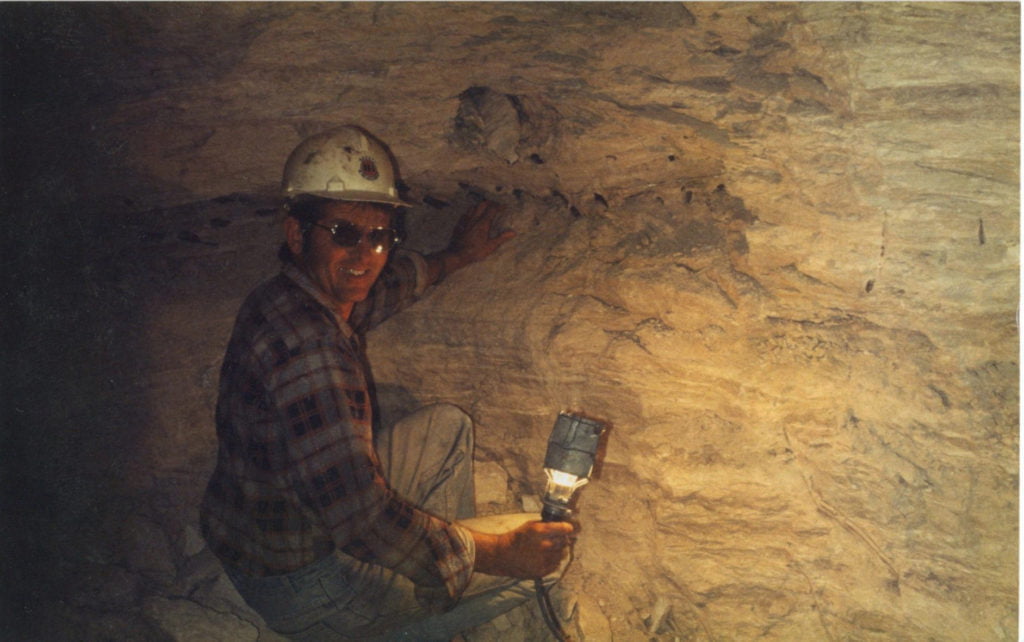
{"x": 345, "y": 234}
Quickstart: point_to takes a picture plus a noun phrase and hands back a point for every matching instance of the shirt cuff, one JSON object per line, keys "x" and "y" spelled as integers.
{"x": 444, "y": 597}
{"x": 466, "y": 537}
{"x": 420, "y": 264}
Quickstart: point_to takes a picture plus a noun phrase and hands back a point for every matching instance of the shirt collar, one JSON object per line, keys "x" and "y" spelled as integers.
{"x": 303, "y": 281}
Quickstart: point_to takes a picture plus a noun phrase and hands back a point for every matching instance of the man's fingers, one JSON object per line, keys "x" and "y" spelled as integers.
{"x": 480, "y": 221}
{"x": 482, "y": 210}
{"x": 503, "y": 238}
{"x": 555, "y": 543}
{"x": 493, "y": 209}
{"x": 562, "y": 528}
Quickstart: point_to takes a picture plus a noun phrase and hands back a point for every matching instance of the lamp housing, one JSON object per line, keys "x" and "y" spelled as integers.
{"x": 568, "y": 463}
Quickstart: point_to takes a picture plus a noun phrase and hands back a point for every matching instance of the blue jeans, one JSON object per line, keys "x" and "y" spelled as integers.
{"x": 428, "y": 459}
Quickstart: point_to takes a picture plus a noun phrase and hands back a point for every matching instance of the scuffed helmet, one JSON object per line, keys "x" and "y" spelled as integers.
{"x": 344, "y": 164}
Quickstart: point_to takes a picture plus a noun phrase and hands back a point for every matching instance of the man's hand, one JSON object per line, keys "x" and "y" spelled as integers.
{"x": 472, "y": 240}
{"x": 531, "y": 551}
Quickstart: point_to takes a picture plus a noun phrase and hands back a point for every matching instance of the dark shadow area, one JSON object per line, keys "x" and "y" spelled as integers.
{"x": 91, "y": 525}
{"x": 114, "y": 346}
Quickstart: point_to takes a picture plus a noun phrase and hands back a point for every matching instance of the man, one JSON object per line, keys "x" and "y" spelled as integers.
{"x": 329, "y": 529}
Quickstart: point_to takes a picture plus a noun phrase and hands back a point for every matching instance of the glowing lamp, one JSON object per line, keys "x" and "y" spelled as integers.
{"x": 572, "y": 448}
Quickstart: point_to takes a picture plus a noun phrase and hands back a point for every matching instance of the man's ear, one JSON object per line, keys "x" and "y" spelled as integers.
{"x": 293, "y": 235}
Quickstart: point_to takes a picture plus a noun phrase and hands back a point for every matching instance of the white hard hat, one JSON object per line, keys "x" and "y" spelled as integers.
{"x": 344, "y": 164}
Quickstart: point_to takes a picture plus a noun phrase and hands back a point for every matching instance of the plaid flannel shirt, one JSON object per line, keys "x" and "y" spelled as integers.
{"x": 297, "y": 476}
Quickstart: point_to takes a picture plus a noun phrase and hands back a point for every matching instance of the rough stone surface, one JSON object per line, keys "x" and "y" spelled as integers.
{"x": 775, "y": 245}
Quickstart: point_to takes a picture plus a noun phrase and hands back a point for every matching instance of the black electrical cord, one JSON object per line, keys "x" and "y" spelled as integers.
{"x": 547, "y": 611}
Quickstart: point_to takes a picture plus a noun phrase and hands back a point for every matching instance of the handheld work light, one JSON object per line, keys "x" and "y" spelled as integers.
{"x": 568, "y": 462}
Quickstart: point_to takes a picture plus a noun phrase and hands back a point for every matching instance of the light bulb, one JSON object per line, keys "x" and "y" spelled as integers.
{"x": 568, "y": 462}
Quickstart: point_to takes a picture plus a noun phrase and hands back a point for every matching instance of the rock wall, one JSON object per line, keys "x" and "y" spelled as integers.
{"x": 774, "y": 245}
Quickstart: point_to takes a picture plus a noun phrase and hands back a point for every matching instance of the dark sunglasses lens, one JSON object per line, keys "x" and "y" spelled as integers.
{"x": 346, "y": 234}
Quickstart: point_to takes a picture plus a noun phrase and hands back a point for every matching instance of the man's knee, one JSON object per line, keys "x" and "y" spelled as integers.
{"x": 442, "y": 422}
{"x": 449, "y": 414}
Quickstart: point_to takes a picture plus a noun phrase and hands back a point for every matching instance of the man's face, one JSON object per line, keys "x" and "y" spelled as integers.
{"x": 344, "y": 274}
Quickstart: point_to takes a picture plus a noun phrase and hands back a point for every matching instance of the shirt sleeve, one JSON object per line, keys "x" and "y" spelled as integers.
{"x": 327, "y": 419}
{"x": 401, "y": 283}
